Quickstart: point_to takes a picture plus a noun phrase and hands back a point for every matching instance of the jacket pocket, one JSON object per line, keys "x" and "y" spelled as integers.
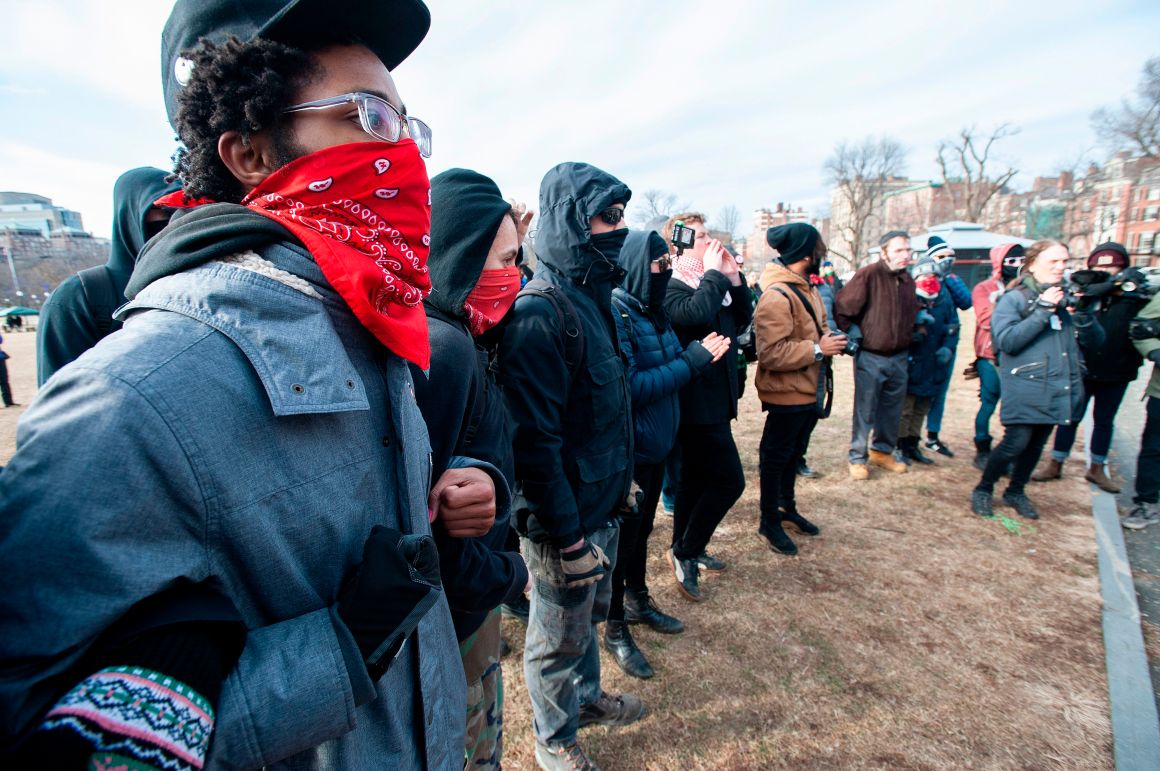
{"x": 599, "y": 466}
{"x": 1036, "y": 370}
{"x": 607, "y": 392}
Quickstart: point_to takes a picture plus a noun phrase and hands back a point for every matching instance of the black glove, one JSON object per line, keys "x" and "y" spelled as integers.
{"x": 389, "y": 593}
{"x": 943, "y": 355}
{"x": 1144, "y": 329}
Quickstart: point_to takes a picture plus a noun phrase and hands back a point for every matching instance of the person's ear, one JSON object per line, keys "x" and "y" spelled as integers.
{"x": 249, "y": 160}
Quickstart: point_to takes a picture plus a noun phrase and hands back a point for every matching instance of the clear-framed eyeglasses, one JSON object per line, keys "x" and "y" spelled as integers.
{"x": 377, "y": 117}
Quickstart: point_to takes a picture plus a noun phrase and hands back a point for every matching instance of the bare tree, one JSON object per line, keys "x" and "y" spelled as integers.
{"x": 860, "y": 172}
{"x": 968, "y": 166}
{"x": 655, "y": 207}
{"x": 1134, "y": 125}
{"x": 728, "y": 219}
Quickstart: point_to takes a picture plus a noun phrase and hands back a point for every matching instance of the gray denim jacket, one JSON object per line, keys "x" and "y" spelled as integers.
{"x": 240, "y": 430}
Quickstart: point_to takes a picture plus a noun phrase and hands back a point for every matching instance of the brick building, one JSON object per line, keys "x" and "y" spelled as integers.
{"x": 754, "y": 247}
{"x": 33, "y": 264}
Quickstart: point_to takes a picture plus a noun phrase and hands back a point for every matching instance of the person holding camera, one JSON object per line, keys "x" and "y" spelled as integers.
{"x": 658, "y": 367}
{"x": 1111, "y": 291}
{"x": 794, "y": 344}
{"x": 1145, "y": 334}
{"x": 706, "y": 294}
{"x": 881, "y": 302}
{"x": 1041, "y": 370}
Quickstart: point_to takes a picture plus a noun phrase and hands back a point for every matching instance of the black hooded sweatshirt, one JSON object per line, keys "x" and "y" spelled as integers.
{"x": 573, "y": 442}
{"x": 459, "y": 397}
{"x": 70, "y": 322}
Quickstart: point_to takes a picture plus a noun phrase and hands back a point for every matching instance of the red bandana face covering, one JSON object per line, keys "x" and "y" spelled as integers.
{"x": 491, "y": 298}
{"x": 363, "y": 211}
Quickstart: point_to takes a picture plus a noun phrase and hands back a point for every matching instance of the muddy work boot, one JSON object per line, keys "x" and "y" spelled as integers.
{"x": 886, "y": 460}
{"x": 563, "y": 757}
{"x": 1051, "y": 469}
{"x": 1099, "y": 477}
{"x": 612, "y": 710}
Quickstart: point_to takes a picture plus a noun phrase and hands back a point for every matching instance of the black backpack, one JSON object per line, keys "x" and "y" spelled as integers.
{"x": 573, "y": 332}
{"x": 101, "y": 296}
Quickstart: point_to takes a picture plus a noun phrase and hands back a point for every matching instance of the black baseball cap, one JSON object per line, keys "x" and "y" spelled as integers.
{"x": 392, "y": 29}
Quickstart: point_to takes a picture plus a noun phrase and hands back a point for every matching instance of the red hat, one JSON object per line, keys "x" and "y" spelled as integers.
{"x": 1109, "y": 255}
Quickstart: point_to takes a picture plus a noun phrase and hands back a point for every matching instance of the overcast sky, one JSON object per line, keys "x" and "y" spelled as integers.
{"x": 722, "y": 102}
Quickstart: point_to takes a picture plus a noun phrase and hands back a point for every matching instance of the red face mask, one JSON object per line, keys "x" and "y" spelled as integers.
{"x": 491, "y": 298}
{"x": 363, "y": 211}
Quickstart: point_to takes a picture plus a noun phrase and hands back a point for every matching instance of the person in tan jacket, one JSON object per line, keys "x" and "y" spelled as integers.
{"x": 793, "y": 339}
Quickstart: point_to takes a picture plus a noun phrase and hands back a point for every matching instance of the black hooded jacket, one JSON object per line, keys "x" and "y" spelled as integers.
{"x": 70, "y": 322}
{"x": 459, "y": 397}
{"x": 711, "y": 398}
{"x": 573, "y": 442}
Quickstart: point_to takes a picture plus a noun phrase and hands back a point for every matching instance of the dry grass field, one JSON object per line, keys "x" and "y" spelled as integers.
{"x": 910, "y": 635}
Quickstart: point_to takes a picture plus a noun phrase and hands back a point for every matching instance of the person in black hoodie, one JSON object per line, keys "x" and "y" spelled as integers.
{"x": 566, "y": 390}
{"x": 79, "y": 312}
{"x": 658, "y": 367}
{"x": 1108, "y": 367}
{"x": 707, "y": 294}
{"x": 475, "y": 240}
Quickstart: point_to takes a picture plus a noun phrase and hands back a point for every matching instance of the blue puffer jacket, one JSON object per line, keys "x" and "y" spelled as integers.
{"x": 657, "y": 367}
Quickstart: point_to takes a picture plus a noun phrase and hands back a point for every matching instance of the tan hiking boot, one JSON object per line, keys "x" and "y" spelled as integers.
{"x": 886, "y": 460}
{"x": 1050, "y": 470}
{"x": 1098, "y": 477}
{"x": 859, "y": 472}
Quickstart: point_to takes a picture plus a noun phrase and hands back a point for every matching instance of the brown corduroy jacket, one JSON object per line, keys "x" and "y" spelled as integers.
{"x": 786, "y": 371}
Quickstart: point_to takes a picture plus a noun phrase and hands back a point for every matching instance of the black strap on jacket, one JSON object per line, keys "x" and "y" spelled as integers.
{"x": 573, "y": 333}
{"x": 101, "y": 296}
{"x": 825, "y": 390}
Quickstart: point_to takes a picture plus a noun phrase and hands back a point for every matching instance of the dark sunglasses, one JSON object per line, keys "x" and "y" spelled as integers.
{"x": 665, "y": 261}
{"x": 612, "y": 215}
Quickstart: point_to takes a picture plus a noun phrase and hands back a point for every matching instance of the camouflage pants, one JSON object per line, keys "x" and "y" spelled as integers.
{"x": 481, "y": 665}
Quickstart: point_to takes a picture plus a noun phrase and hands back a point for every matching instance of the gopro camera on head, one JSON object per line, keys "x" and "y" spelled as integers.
{"x": 683, "y": 236}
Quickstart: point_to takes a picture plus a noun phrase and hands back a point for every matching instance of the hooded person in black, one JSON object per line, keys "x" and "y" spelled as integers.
{"x": 565, "y": 386}
{"x": 80, "y": 311}
{"x": 474, "y": 238}
{"x": 658, "y": 367}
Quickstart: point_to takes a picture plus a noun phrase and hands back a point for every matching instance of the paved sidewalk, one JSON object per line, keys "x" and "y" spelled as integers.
{"x": 1131, "y": 618}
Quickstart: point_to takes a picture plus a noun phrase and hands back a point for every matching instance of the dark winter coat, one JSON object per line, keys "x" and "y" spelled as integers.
{"x": 573, "y": 440}
{"x": 1116, "y": 360}
{"x": 459, "y": 397}
{"x": 1040, "y": 367}
{"x": 883, "y": 304}
{"x": 70, "y": 324}
{"x": 926, "y": 375}
{"x": 711, "y": 398}
{"x": 658, "y": 366}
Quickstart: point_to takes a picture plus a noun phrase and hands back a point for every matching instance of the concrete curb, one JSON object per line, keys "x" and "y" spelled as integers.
{"x": 1135, "y": 724}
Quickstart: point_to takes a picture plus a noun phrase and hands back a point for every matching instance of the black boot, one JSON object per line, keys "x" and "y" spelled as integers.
{"x": 910, "y": 449}
{"x": 639, "y": 608}
{"x": 777, "y": 538}
{"x": 618, "y": 641}
{"x": 790, "y": 514}
{"x": 982, "y": 453}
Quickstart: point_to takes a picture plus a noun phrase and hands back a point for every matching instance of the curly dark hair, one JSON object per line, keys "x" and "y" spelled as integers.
{"x": 234, "y": 86}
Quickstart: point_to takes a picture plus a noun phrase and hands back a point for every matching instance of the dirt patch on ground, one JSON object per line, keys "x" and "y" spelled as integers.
{"x": 910, "y": 634}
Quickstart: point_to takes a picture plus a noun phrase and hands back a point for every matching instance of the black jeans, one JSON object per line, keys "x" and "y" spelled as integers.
{"x": 635, "y": 528}
{"x": 1023, "y": 444}
{"x": 783, "y": 444}
{"x": 1148, "y": 462}
{"x": 1107, "y": 397}
{"x": 711, "y": 481}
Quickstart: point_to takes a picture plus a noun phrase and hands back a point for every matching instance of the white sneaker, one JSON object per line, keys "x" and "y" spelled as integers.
{"x": 1142, "y": 515}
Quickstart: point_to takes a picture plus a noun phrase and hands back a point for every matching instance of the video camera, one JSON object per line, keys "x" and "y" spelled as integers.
{"x": 1085, "y": 287}
{"x": 683, "y": 237}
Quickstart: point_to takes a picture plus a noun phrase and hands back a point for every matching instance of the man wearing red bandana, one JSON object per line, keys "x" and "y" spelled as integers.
{"x": 248, "y": 447}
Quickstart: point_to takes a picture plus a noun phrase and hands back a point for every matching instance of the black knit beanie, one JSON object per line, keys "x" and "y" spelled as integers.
{"x": 793, "y": 242}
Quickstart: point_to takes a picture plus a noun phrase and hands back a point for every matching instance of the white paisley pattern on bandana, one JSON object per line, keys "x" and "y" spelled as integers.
{"x": 136, "y": 717}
